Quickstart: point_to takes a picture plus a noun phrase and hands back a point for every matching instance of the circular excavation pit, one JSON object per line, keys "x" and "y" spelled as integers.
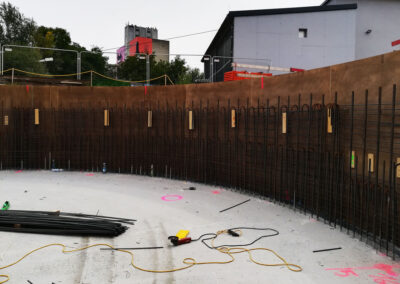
{"x": 198, "y": 211}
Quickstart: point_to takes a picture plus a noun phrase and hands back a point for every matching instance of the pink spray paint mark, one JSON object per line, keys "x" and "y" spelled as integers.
{"x": 381, "y": 278}
{"x": 89, "y": 175}
{"x": 172, "y": 197}
{"x": 345, "y": 272}
{"x": 216, "y": 192}
{"x": 262, "y": 82}
{"x": 386, "y": 268}
{"x": 27, "y": 88}
{"x": 19, "y": 171}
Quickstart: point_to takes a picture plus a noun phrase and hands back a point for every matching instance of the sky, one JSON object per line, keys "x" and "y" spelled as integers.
{"x": 101, "y": 22}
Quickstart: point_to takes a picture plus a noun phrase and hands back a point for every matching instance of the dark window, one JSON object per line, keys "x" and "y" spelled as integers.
{"x": 303, "y": 33}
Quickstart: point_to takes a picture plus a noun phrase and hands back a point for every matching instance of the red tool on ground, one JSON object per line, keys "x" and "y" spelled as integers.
{"x": 176, "y": 241}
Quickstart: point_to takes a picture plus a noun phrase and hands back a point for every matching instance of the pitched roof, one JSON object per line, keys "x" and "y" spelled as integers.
{"x": 309, "y": 9}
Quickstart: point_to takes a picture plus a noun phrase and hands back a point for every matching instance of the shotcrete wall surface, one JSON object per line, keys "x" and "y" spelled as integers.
{"x": 323, "y": 141}
{"x": 357, "y": 76}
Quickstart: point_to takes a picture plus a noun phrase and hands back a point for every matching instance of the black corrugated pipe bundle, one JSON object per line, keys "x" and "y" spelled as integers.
{"x": 60, "y": 223}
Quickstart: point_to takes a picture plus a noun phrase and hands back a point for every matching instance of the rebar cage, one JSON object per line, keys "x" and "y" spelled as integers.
{"x": 335, "y": 162}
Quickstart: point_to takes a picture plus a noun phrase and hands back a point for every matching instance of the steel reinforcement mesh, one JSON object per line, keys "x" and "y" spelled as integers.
{"x": 335, "y": 162}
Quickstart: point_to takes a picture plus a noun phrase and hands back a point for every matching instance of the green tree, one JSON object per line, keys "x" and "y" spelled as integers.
{"x": 44, "y": 37}
{"x": 62, "y": 39}
{"x": 134, "y": 69}
{"x": 192, "y": 76}
{"x": 24, "y": 59}
{"x": 15, "y": 28}
{"x": 177, "y": 70}
{"x": 94, "y": 60}
{"x": 65, "y": 62}
{"x": 159, "y": 68}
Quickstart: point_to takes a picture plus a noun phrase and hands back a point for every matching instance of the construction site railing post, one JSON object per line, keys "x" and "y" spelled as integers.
{"x": 78, "y": 68}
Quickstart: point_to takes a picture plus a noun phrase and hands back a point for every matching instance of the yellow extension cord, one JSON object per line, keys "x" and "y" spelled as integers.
{"x": 188, "y": 261}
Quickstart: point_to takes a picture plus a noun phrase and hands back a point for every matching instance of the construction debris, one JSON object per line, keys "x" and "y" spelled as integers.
{"x": 6, "y": 206}
{"x": 61, "y": 223}
{"x": 234, "y": 205}
{"x": 131, "y": 248}
{"x": 190, "y": 188}
{"x": 322, "y": 250}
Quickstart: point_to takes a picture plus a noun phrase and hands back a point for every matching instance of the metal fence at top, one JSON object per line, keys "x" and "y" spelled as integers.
{"x": 58, "y": 62}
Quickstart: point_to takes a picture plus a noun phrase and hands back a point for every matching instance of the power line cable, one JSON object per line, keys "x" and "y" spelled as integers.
{"x": 191, "y": 34}
{"x": 182, "y": 36}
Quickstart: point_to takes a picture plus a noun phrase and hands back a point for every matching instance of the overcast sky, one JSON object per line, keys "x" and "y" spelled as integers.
{"x": 101, "y": 22}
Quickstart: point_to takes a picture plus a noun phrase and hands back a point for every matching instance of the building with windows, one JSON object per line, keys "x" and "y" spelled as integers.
{"x": 142, "y": 40}
{"x": 306, "y": 37}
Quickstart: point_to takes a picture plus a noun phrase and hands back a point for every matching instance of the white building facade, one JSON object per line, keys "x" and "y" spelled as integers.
{"x": 338, "y": 31}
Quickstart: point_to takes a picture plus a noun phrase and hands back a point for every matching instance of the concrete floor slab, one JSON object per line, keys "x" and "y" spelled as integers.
{"x": 140, "y": 198}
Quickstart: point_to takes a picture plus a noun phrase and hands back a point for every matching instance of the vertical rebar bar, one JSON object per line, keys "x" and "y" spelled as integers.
{"x": 378, "y": 140}
{"x": 362, "y": 187}
{"x": 351, "y": 159}
{"x": 391, "y": 177}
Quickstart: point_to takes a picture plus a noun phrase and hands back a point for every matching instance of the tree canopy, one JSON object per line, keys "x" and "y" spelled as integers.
{"x": 134, "y": 69}
{"x": 27, "y": 43}
{"x": 16, "y": 29}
